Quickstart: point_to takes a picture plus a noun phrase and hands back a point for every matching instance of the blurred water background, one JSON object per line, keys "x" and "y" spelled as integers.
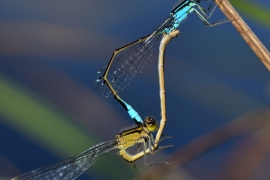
{"x": 50, "y": 52}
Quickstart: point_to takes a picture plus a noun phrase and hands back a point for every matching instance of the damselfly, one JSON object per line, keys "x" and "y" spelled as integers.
{"x": 129, "y": 62}
{"x": 75, "y": 166}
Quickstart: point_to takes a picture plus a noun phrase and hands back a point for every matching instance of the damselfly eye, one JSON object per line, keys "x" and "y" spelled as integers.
{"x": 151, "y": 124}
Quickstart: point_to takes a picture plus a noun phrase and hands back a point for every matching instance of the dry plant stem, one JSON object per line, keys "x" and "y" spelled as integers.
{"x": 251, "y": 39}
{"x": 165, "y": 40}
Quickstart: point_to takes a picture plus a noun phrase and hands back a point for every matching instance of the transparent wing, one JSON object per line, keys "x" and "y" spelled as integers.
{"x": 128, "y": 63}
{"x": 72, "y": 167}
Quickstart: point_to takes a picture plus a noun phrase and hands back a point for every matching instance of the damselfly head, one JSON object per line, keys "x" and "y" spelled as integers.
{"x": 151, "y": 124}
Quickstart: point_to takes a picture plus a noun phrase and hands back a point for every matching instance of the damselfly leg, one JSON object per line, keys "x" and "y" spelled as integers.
{"x": 203, "y": 16}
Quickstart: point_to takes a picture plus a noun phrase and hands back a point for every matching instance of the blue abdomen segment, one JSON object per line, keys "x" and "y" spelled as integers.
{"x": 178, "y": 17}
{"x": 132, "y": 113}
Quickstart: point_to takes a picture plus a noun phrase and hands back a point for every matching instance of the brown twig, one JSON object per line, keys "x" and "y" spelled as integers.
{"x": 251, "y": 39}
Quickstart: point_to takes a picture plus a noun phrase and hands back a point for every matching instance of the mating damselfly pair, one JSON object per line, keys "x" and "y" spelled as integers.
{"x": 126, "y": 65}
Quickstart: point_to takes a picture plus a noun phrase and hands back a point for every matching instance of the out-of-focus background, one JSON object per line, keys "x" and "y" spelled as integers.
{"x": 218, "y": 91}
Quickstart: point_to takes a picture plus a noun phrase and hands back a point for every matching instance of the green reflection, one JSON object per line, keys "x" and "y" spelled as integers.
{"x": 39, "y": 121}
{"x": 254, "y": 11}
